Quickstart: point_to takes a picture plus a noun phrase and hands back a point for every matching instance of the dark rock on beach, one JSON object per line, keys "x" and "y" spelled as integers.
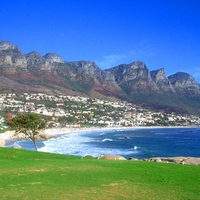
{"x": 132, "y": 158}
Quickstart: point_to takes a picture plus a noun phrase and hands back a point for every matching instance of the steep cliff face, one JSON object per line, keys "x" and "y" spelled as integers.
{"x": 88, "y": 77}
{"x": 161, "y": 80}
{"x": 53, "y": 58}
{"x": 11, "y": 58}
{"x": 36, "y": 62}
{"x": 86, "y": 70}
{"x": 134, "y": 78}
{"x": 132, "y": 82}
{"x": 184, "y": 84}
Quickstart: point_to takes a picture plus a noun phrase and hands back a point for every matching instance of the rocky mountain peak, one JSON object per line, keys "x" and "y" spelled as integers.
{"x": 180, "y": 77}
{"x": 132, "y": 82}
{"x": 34, "y": 59}
{"x": 158, "y": 75}
{"x": 184, "y": 83}
{"x": 129, "y": 71}
{"x": 79, "y": 70}
{"x": 11, "y": 58}
{"x": 34, "y": 54}
{"x": 86, "y": 68}
{"x": 53, "y": 58}
{"x": 138, "y": 65}
{"x": 8, "y": 46}
{"x": 160, "y": 78}
{"x": 133, "y": 77}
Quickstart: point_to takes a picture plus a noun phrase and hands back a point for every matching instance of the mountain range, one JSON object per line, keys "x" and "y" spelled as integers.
{"x": 132, "y": 82}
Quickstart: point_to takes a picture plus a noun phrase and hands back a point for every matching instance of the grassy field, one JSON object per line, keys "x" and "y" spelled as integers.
{"x": 35, "y": 175}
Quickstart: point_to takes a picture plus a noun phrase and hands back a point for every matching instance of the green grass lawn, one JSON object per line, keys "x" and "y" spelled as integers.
{"x": 35, "y": 175}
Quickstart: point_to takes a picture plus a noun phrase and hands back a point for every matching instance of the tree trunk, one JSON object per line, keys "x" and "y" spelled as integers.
{"x": 35, "y": 144}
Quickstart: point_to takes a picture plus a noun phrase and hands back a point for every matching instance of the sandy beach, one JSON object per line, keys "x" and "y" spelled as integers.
{"x": 52, "y": 132}
{"x": 9, "y": 136}
{"x": 55, "y": 132}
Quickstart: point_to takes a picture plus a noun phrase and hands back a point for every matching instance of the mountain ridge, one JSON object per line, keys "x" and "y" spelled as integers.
{"x": 130, "y": 82}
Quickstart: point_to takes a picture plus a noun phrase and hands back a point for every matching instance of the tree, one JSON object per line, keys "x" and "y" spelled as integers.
{"x": 27, "y": 124}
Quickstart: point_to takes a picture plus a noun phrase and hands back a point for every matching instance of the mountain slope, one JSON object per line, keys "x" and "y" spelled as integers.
{"x": 131, "y": 82}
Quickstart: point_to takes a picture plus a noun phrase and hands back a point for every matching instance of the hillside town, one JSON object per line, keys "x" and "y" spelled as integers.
{"x": 75, "y": 111}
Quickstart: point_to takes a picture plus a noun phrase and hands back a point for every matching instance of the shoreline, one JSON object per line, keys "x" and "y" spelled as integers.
{"x": 57, "y": 132}
{"x": 9, "y": 137}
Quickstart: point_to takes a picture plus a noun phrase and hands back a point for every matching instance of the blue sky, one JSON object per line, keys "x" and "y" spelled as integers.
{"x": 162, "y": 34}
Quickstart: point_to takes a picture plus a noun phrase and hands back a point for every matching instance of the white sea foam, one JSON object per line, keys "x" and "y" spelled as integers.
{"x": 68, "y": 144}
{"x": 107, "y": 139}
{"x": 135, "y": 147}
{"x": 138, "y": 145}
{"x": 77, "y": 144}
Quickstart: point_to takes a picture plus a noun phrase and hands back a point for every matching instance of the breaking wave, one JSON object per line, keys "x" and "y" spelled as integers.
{"x": 142, "y": 143}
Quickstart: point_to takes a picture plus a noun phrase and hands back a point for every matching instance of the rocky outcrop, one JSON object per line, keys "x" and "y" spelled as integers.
{"x": 89, "y": 78}
{"x": 161, "y": 80}
{"x": 53, "y": 58}
{"x": 16, "y": 146}
{"x": 178, "y": 160}
{"x": 192, "y": 161}
{"x": 111, "y": 157}
{"x": 134, "y": 78}
{"x": 86, "y": 70}
{"x": 37, "y": 63}
{"x": 11, "y": 58}
{"x": 184, "y": 84}
{"x": 8, "y": 46}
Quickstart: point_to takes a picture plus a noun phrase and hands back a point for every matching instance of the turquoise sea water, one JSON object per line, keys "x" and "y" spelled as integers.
{"x": 141, "y": 143}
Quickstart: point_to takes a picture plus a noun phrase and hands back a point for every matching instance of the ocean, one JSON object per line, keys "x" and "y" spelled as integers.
{"x": 131, "y": 143}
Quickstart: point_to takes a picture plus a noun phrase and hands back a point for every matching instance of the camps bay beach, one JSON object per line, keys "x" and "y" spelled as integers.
{"x": 133, "y": 142}
{"x": 100, "y": 100}
{"x": 117, "y": 128}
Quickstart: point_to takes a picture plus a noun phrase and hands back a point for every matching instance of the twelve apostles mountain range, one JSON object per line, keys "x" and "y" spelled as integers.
{"x": 132, "y": 82}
